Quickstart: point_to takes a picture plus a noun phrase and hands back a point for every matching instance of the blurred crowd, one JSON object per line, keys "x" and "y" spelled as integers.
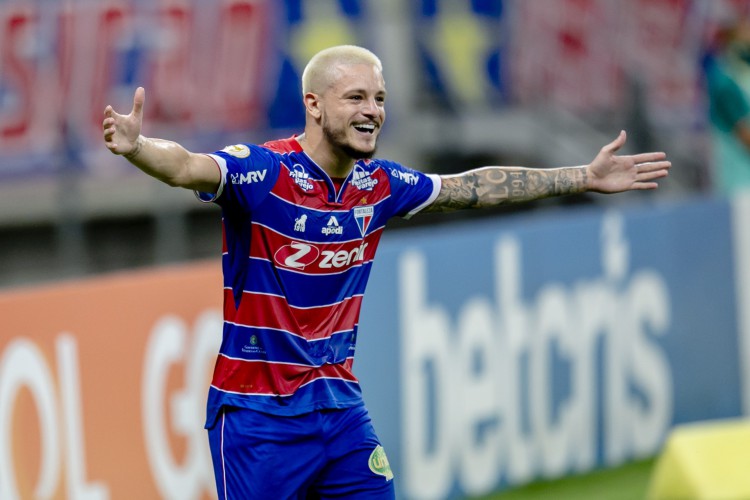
{"x": 470, "y": 82}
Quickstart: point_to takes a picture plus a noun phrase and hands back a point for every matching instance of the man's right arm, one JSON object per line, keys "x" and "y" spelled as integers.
{"x": 165, "y": 160}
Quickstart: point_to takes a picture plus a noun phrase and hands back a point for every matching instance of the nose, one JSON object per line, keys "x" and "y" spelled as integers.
{"x": 370, "y": 107}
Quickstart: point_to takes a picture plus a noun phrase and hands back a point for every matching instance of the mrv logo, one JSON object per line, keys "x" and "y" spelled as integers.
{"x": 249, "y": 177}
{"x": 517, "y": 386}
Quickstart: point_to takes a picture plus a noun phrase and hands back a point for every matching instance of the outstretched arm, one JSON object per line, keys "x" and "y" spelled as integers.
{"x": 608, "y": 173}
{"x": 166, "y": 160}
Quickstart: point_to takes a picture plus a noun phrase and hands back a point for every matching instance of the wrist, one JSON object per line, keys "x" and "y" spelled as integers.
{"x": 137, "y": 148}
{"x": 587, "y": 178}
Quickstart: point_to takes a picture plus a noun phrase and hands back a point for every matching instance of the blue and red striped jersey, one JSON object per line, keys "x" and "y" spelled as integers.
{"x": 296, "y": 259}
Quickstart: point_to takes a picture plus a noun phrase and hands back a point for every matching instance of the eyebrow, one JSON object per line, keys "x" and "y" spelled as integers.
{"x": 362, "y": 91}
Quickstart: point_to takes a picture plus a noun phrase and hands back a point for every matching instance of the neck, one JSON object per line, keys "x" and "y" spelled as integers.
{"x": 334, "y": 162}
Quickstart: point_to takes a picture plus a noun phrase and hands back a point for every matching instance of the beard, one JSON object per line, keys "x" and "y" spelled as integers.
{"x": 338, "y": 139}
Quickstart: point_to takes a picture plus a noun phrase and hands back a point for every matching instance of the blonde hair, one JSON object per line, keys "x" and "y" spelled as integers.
{"x": 318, "y": 73}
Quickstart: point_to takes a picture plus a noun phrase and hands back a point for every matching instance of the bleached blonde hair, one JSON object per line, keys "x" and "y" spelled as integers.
{"x": 319, "y": 72}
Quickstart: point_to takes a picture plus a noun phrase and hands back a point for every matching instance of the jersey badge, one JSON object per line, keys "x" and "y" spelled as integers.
{"x": 302, "y": 178}
{"x": 362, "y": 179}
{"x": 378, "y": 463}
{"x": 238, "y": 150}
{"x": 363, "y": 216}
{"x": 299, "y": 223}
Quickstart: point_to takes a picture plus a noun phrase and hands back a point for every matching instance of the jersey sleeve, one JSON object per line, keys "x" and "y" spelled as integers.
{"x": 248, "y": 173}
{"x": 411, "y": 190}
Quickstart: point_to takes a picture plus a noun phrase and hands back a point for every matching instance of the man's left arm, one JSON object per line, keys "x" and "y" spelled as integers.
{"x": 607, "y": 173}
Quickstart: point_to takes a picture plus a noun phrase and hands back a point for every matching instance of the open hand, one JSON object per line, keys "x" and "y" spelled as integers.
{"x": 609, "y": 173}
{"x": 121, "y": 132}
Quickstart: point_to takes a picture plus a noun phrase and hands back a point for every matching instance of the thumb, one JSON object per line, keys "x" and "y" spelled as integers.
{"x": 615, "y": 145}
{"x": 138, "y": 99}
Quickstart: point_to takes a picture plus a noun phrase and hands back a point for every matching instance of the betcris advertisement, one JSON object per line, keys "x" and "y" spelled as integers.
{"x": 499, "y": 352}
{"x": 491, "y": 353}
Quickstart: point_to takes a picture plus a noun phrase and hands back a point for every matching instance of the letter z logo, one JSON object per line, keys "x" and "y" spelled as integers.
{"x": 296, "y": 255}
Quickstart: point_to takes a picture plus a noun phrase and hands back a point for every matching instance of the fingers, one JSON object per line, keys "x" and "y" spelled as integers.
{"x": 647, "y": 157}
{"x": 649, "y": 172}
{"x": 644, "y": 185}
{"x": 138, "y": 99}
{"x": 615, "y": 145}
{"x": 653, "y": 166}
{"x": 651, "y": 175}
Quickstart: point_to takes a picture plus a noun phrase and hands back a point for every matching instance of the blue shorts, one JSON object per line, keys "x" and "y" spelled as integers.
{"x": 323, "y": 454}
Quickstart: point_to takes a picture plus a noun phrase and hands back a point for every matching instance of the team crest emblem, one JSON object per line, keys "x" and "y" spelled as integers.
{"x": 363, "y": 216}
{"x": 378, "y": 463}
{"x": 238, "y": 150}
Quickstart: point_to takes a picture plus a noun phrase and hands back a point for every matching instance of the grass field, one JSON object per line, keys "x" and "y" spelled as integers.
{"x": 628, "y": 482}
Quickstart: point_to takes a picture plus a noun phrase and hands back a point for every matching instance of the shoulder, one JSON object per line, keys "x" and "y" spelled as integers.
{"x": 398, "y": 173}
{"x": 288, "y": 145}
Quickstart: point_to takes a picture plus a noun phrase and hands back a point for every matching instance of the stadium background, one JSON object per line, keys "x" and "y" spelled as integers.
{"x": 496, "y": 348}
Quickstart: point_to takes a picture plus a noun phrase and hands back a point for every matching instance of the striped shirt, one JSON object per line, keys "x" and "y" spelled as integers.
{"x": 296, "y": 259}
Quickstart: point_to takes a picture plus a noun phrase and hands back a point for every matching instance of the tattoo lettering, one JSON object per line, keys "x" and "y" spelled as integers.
{"x": 494, "y": 186}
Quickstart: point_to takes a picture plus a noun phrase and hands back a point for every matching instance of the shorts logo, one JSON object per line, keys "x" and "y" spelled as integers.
{"x": 238, "y": 150}
{"x": 378, "y": 463}
{"x": 363, "y": 216}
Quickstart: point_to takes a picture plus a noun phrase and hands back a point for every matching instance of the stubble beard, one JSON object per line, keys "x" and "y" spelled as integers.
{"x": 337, "y": 138}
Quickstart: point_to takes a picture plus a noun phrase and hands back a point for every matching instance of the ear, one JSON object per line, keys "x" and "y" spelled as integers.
{"x": 312, "y": 104}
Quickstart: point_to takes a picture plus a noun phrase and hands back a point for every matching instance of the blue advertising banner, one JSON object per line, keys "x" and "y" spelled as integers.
{"x": 503, "y": 351}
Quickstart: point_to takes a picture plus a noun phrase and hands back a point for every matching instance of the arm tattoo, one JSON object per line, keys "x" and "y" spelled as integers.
{"x": 493, "y": 186}
{"x": 137, "y": 147}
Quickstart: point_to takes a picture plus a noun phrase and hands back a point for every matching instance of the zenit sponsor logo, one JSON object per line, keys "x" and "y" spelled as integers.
{"x": 249, "y": 177}
{"x": 304, "y": 256}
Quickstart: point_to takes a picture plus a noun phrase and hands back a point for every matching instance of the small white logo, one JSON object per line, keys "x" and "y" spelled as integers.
{"x": 238, "y": 150}
{"x": 362, "y": 180}
{"x": 299, "y": 223}
{"x": 302, "y": 178}
{"x": 332, "y": 227}
{"x": 249, "y": 177}
{"x": 406, "y": 177}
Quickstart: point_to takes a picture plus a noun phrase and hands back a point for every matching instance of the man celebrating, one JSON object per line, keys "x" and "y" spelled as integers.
{"x": 302, "y": 219}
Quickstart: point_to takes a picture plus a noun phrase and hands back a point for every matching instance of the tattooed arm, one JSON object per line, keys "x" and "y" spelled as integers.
{"x": 493, "y": 186}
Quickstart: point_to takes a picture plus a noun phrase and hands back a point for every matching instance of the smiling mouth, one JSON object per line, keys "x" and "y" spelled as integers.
{"x": 367, "y": 128}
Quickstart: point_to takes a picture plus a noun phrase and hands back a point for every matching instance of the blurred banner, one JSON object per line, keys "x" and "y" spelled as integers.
{"x": 491, "y": 354}
{"x": 103, "y": 386}
{"x": 214, "y": 69}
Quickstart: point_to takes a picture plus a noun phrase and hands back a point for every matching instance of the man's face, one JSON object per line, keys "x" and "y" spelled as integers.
{"x": 353, "y": 109}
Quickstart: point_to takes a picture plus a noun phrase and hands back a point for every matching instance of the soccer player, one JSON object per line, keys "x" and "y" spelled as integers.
{"x": 302, "y": 217}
